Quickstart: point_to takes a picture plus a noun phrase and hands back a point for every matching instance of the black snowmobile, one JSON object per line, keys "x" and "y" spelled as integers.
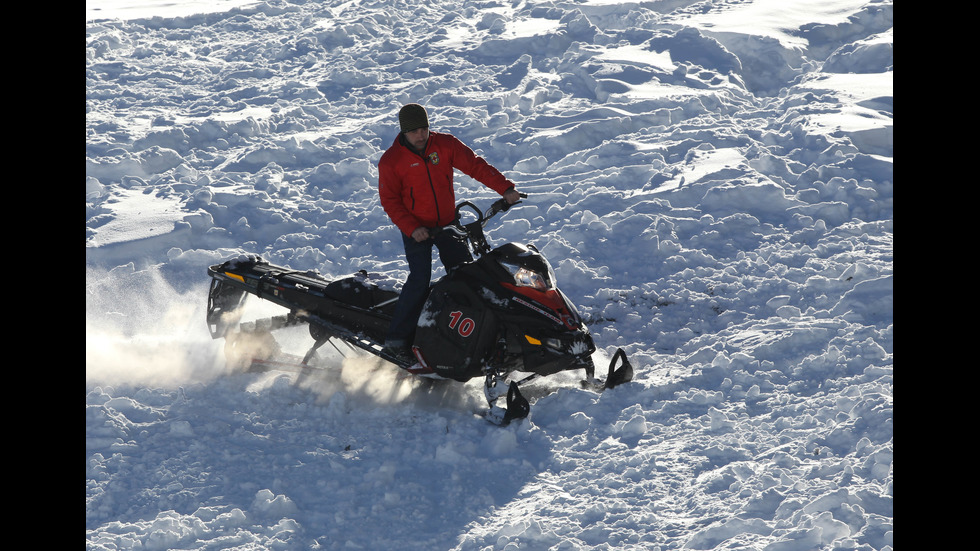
{"x": 499, "y": 314}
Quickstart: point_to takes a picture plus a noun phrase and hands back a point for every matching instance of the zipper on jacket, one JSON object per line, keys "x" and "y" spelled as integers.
{"x": 432, "y": 187}
{"x": 425, "y": 161}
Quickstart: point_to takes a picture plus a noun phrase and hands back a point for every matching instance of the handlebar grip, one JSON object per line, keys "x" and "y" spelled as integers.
{"x": 503, "y": 206}
{"x": 452, "y": 229}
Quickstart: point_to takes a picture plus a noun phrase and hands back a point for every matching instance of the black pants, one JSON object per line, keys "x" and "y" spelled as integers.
{"x": 416, "y": 287}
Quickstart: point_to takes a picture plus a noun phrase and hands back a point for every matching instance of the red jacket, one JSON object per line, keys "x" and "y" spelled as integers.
{"x": 417, "y": 190}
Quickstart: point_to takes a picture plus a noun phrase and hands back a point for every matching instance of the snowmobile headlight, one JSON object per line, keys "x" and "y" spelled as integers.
{"x": 550, "y": 342}
{"x": 523, "y": 277}
{"x": 553, "y": 343}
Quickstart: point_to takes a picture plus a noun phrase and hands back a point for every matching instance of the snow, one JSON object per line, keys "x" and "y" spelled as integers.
{"x": 711, "y": 180}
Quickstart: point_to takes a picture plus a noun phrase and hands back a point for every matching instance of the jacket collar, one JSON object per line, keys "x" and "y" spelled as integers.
{"x": 400, "y": 140}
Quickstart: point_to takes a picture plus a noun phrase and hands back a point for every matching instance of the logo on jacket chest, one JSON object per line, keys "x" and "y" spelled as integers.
{"x": 434, "y": 157}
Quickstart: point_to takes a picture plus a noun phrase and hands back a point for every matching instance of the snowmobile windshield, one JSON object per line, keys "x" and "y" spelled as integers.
{"x": 541, "y": 277}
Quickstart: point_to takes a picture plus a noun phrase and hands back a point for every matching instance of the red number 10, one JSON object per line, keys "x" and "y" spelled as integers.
{"x": 464, "y": 326}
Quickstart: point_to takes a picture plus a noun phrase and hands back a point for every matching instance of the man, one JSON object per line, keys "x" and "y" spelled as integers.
{"x": 415, "y": 184}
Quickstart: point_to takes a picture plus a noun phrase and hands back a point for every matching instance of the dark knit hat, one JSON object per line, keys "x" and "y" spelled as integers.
{"x": 412, "y": 117}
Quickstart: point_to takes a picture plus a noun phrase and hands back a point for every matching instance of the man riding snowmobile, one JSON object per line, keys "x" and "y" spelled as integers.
{"x": 415, "y": 185}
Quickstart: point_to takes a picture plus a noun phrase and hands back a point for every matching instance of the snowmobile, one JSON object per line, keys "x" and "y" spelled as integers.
{"x": 494, "y": 317}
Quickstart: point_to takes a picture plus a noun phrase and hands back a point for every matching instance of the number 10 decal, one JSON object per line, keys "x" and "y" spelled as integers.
{"x": 464, "y": 326}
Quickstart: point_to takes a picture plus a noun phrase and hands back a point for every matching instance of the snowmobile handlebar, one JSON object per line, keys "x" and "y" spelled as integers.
{"x": 500, "y": 205}
{"x": 460, "y": 229}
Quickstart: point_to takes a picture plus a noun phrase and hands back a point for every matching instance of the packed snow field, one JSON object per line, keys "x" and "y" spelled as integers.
{"x": 712, "y": 181}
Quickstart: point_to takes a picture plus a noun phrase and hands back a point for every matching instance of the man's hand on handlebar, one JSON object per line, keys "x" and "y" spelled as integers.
{"x": 510, "y": 197}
